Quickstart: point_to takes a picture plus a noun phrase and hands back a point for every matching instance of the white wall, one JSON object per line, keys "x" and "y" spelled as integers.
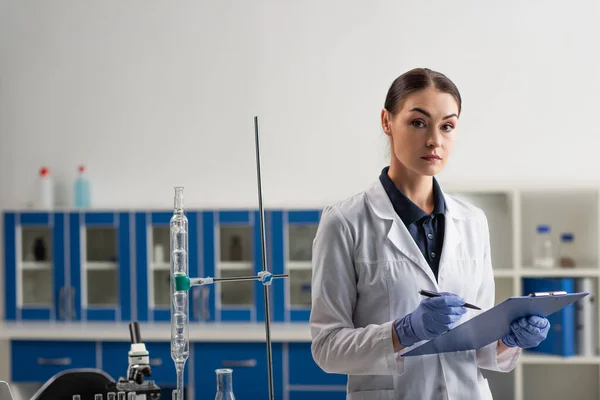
{"x": 150, "y": 94}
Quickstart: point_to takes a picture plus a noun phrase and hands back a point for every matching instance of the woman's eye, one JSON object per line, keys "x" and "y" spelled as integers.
{"x": 447, "y": 127}
{"x": 418, "y": 124}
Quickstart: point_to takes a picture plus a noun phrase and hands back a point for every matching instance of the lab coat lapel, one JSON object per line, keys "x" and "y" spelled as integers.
{"x": 452, "y": 236}
{"x": 401, "y": 238}
{"x": 397, "y": 233}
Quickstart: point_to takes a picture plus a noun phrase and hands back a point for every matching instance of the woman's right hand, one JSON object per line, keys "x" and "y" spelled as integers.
{"x": 433, "y": 317}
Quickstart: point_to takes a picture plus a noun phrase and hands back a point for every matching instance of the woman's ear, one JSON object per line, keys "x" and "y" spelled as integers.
{"x": 386, "y": 123}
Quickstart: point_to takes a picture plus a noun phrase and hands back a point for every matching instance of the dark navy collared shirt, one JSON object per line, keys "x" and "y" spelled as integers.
{"x": 426, "y": 229}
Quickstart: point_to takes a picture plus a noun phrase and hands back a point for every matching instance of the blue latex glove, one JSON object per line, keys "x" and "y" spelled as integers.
{"x": 434, "y": 316}
{"x": 527, "y": 332}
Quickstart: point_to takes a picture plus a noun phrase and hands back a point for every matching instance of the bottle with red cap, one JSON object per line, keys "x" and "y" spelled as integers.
{"x": 81, "y": 189}
{"x": 46, "y": 189}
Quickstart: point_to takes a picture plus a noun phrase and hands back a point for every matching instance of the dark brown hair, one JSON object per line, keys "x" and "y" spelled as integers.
{"x": 417, "y": 79}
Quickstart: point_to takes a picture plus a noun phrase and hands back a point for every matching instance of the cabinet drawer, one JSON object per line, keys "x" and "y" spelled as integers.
{"x": 249, "y": 364}
{"x": 35, "y": 361}
{"x": 317, "y": 395}
{"x": 115, "y": 361}
{"x": 304, "y": 370}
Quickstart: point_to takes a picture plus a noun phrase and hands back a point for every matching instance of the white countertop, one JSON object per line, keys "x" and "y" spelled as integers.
{"x": 154, "y": 331}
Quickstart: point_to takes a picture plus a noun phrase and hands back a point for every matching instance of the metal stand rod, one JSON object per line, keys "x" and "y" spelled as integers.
{"x": 247, "y": 278}
{"x": 264, "y": 260}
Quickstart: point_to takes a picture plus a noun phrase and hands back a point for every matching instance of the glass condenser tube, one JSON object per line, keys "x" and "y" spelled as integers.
{"x": 179, "y": 298}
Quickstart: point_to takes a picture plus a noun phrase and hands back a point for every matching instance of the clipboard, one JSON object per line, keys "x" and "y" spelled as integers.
{"x": 491, "y": 325}
{"x": 5, "y": 393}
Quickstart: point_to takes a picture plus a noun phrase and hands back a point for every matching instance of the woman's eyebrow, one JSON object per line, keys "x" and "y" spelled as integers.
{"x": 417, "y": 109}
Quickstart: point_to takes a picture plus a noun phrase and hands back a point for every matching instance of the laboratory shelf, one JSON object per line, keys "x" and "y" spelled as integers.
{"x": 302, "y": 265}
{"x": 504, "y": 273}
{"x": 98, "y": 265}
{"x": 161, "y": 266}
{"x": 543, "y": 359}
{"x": 235, "y": 266}
{"x": 578, "y": 272}
{"x": 35, "y": 265}
{"x": 154, "y": 331}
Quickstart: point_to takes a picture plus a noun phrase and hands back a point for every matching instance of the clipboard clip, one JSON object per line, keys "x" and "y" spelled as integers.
{"x": 542, "y": 294}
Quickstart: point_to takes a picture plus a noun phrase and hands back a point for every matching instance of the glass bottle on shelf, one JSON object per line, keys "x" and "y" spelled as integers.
{"x": 39, "y": 249}
{"x": 235, "y": 248}
{"x": 566, "y": 253}
{"x": 224, "y": 384}
{"x": 543, "y": 254}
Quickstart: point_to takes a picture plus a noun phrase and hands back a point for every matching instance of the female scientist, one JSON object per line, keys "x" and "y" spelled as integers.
{"x": 374, "y": 252}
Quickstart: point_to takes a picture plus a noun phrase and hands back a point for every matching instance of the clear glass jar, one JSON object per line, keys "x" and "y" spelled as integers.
{"x": 224, "y": 384}
{"x": 543, "y": 252}
{"x": 566, "y": 251}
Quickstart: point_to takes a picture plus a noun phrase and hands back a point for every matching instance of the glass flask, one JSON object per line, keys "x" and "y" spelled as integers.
{"x": 543, "y": 255}
{"x": 224, "y": 384}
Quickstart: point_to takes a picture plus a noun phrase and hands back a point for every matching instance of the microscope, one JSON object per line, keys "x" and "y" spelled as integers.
{"x": 138, "y": 369}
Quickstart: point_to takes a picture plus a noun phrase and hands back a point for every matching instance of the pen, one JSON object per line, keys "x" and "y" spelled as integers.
{"x": 429, "y": 293}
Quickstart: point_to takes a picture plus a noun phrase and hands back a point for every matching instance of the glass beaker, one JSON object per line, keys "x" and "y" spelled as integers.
{"x": 224, "y": 384}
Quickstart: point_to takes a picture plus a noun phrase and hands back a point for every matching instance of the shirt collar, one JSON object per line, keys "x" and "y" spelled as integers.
{"x": 408, "y": 211}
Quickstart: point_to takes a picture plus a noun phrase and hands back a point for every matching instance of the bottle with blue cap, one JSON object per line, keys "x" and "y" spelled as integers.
{"x": 566, "y": 250}
{"x": 543, "y": 254}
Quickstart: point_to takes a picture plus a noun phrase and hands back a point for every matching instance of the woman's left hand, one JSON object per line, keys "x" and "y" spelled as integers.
{"x": 527, "y": 332}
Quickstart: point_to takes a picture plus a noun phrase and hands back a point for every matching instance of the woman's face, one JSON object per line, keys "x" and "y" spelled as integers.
{"x": 423, "y": 131}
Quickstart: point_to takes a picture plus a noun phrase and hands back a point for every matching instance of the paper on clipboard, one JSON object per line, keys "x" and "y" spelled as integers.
{"x": 491, "y": 325}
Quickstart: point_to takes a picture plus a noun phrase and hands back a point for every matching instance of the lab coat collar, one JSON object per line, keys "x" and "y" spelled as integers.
{"x": 408, "y": 211}
{"x": 383, "y": 208}
{"x": 399, "y": 235}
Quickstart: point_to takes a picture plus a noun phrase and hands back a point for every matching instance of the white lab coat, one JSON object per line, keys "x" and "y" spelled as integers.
{"x": 367, "y": 271}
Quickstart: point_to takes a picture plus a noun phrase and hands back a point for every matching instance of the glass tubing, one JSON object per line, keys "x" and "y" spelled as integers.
{"x": 180, "y": 282}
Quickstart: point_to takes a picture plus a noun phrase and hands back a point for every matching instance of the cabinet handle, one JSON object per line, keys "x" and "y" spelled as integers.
{"x": 205, "y": 296}
{"x": 61, "y": 303}
{"x": 54, "y": 361}
{"x": 196, "y": 297}
{"x": 71, "y": 303}
{"x": 156, "y": 362}
{"x": 239, "y": 363}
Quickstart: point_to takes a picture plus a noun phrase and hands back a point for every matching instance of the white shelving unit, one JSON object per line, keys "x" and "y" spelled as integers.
{"x": 513, "y": 216}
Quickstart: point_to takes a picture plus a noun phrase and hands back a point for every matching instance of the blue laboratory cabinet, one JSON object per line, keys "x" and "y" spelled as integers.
{"x": 292, "y": 234}
{"x": 114, "y": 265}
{"x": 152, "y": 264}
{"x": 100, "y": 265}
{"x": 295, "y": 375}
{"x": 35, "y": 269}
